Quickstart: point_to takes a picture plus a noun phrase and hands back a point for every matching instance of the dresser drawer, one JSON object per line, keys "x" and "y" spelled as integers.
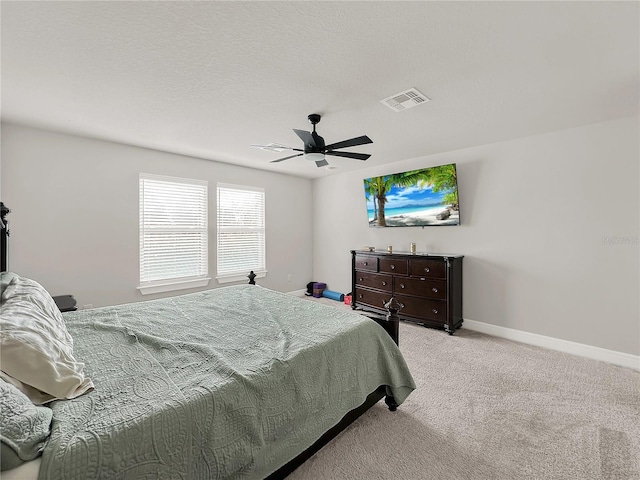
{"x": 367, "y": 263}
{"x": 371, "y": 298}
{"x": 427, "y": 268}
{"x": 395, "y": 266}
{"x": 374, "y": 280}
{"x": 422, "y": 308}
{"x": 421, "y": 287}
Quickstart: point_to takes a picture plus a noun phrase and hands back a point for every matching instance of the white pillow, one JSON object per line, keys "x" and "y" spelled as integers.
{"x": 35, "y": 346}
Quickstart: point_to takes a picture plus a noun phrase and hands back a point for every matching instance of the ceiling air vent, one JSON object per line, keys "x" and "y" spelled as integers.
{"x": 403, "y": 100}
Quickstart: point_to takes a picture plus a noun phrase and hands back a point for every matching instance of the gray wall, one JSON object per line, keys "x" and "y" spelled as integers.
{"x": 74, "y": 220}
{"x": 550, "y": 225}
{"x": 550, "y": 228}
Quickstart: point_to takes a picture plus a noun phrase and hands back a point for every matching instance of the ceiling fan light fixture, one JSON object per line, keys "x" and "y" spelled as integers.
{"x": 314, "y": 156}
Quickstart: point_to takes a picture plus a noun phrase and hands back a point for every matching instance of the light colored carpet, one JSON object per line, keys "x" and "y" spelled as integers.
{"x": 488, "y": 408}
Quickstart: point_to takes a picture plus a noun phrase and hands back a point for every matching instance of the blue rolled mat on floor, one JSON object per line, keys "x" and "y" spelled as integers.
{"x": 333, "y": 295}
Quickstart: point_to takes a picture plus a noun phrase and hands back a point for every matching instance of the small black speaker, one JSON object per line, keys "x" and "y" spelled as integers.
{"x": 309, "y": 289}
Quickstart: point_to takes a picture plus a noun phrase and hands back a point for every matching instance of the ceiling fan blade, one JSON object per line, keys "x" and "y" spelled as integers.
{"x": 273, "y": 147}
{"x": 286, "y": 158}
{"x": 322, "y": 163}
{"x": 357, "y": 156}
{"x": 363, "y": 140}
{"x": 306, "y": 137}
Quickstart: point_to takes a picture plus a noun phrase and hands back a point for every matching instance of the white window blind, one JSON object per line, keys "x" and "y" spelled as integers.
{"x": 241, "y": 232}
{"x": 173, "y": 232}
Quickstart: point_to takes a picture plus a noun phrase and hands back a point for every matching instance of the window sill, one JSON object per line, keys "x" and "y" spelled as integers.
{"x": 239, "y": 277}
{"x": 172, "y": 285}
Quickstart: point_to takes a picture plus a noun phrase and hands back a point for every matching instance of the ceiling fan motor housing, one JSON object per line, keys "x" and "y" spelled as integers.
{"x": 317, "y": 146}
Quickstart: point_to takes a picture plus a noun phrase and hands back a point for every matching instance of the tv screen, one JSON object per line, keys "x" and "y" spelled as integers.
{"x": 417, "y": 198}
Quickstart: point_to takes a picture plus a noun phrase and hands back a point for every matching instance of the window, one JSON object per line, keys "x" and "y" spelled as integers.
{"x": 173, "y": 233}
{"x": 241, "y": 232}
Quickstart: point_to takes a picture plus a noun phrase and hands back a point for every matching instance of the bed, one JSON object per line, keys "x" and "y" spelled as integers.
{"x": 238, "y": 382}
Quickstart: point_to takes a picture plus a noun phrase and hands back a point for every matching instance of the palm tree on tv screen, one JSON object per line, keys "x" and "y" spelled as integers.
{"x": 371, "y": 190}
{"x": 442, "y": 178}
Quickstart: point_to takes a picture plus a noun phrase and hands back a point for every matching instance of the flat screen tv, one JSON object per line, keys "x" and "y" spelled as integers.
{"x": 416, "y": 198}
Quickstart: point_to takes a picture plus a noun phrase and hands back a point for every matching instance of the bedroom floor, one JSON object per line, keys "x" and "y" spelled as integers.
{"x": 487, "y": 407}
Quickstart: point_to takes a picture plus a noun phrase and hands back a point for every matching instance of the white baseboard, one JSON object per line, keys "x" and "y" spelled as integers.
{"x": 298, "y": 293}
{"x": 580, "y": 349}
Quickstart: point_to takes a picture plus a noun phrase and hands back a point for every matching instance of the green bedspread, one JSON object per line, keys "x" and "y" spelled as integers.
{"x": 228, "y": 383}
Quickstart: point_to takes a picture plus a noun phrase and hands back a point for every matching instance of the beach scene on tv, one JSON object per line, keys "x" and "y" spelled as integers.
{"x": 415, "y": 198}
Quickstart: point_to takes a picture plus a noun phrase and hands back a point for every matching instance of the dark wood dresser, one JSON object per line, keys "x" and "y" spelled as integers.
{"x": 429, "y": 286}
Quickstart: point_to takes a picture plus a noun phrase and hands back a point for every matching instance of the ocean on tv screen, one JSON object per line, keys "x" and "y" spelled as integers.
{"x": 415, "y": 198}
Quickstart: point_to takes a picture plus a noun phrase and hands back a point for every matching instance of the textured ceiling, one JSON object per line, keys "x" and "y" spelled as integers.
{"x": 208, "y": 79}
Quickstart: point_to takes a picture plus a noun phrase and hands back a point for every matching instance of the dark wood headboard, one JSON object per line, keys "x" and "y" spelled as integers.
{"x": 4, "y": 238}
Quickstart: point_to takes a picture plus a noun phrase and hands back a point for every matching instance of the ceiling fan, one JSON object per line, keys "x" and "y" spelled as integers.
{"x": 314, "y": 147}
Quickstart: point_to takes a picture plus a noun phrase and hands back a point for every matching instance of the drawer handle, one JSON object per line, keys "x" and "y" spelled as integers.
{"x": 434, "y": 290}
{"x": 435, "y": 311}
{"x": 402, "y": 285}
{"x": 426, "y": 269}
{"x": 361, "y": 279}
{"x": 393, "y": 267}
{"x": 365, "y": 263}
{"x": 384, "y": 284}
